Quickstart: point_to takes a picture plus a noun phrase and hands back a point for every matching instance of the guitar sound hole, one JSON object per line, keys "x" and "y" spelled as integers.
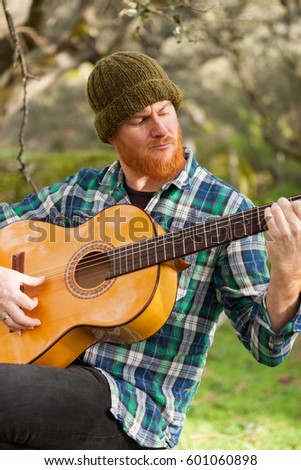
{"x": 91, "y": 270}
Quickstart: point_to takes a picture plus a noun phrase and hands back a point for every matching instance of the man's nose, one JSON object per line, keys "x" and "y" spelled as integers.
{"x": 158, "y": 127}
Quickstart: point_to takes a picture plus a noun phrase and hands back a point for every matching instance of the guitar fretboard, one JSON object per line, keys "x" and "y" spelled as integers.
{"x": 169, "y": 246}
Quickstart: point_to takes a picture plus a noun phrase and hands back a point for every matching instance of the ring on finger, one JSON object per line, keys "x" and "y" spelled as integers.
{"x": 5, "y": 318}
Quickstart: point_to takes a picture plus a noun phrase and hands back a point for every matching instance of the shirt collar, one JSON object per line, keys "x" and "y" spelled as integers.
{"x": 182, "y": 180}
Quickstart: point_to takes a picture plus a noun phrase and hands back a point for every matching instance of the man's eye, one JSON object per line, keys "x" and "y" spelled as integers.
{"x": 163, "y": 113}
{"x": 136, "y": 122}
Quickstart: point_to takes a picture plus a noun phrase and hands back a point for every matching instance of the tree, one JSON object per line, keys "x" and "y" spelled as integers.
{"x": 255, "y": 44}
{"x": 261, "y": 42}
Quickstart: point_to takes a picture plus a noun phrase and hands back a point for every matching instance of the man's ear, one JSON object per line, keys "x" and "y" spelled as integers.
{"x": 110, "y": 140}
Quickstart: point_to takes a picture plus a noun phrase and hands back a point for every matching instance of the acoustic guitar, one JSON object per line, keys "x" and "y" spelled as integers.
{"x": 112, "y": 278}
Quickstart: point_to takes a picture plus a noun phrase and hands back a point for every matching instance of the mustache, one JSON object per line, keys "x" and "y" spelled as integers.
{"x": 162, "y": 141}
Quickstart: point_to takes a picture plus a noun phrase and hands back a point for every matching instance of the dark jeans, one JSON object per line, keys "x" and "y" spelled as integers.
{"x": 50, "y": 408}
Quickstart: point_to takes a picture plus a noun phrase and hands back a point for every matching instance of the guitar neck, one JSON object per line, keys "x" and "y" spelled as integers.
{"x": 199, "y": 237}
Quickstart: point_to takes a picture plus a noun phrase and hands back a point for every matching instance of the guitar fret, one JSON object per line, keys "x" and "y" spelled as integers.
{"x": 173, "y": 246}
{"x": 156, "y": 252}
{"x": 205, "y": 238}
{"x": 133, "y": 261}
{"x": 126, "y": 258}
{"x": 194, "y": 240}
{"x": 245, "y": 222}
{"x": 113, "y": 270}
{"x": 164, "y": 249}
{"x": 140, "y": 255}
{"x": 258, "y": 217}
{"x": 120, "y": 262}
{"x": 217, "y": 231}
{"x": 183, "y": 246}
{"x": 230, "y": 227}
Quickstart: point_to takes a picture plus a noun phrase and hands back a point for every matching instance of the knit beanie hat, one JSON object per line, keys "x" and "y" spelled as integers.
{"x": 122, "y": 84}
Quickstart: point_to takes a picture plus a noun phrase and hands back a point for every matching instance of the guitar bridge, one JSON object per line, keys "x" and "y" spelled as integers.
{"x": 18, "y": 263}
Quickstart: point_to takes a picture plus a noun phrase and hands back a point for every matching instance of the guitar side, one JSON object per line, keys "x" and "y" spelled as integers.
{"x": 76, "y": 314}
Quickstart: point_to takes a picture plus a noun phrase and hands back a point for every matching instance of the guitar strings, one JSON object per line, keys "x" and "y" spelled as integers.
{"x": 153, "y": 241}
{"x": 113, "y": 256}
{"x": 121, "y": 253}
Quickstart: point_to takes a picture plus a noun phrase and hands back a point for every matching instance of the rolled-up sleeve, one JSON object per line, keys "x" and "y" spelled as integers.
{"x": 241, "y": 280}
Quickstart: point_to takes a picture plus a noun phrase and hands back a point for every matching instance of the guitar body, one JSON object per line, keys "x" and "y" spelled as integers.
{"x": 78, "y": 304}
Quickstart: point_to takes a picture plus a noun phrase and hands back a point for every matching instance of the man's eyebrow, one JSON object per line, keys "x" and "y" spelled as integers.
{"x": 143, "y": 113}
{"x": 166, "y": 105}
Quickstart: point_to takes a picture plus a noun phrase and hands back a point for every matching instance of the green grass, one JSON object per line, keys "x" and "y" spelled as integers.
{"x": 241, "y": 404}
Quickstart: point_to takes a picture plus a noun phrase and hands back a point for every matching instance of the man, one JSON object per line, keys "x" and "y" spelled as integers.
{"x": 134, "y": 396}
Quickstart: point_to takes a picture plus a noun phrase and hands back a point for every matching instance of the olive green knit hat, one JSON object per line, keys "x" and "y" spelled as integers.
{"x": 122, "y": 84}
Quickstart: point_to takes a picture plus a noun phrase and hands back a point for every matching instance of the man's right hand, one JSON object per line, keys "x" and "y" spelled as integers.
{"x": 13, "y": 300}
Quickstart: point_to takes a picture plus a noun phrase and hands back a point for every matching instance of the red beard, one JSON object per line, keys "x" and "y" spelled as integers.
{"x": 143, "y": 163}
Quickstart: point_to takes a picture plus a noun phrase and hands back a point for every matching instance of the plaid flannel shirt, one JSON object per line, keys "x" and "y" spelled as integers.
{"x": 153, "y": 382}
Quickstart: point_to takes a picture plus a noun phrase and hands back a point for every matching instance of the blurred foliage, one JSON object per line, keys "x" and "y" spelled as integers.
{"x": 46, "y": 169}
{"x": 238, "y": 63}
{"x": 234, "y": 167}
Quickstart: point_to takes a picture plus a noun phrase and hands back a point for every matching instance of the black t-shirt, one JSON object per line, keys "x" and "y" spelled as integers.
{"x": 139, "y": 198}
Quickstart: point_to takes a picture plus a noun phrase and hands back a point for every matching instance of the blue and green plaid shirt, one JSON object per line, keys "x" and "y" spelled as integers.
{"x": 153, "y": 382}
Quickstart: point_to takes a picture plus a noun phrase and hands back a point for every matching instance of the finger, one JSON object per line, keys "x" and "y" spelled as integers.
{"x": 293, "y": 227}
{"x": 297, "y": 208}
{"x": 18, "y": 319}
{"x": 288, "y": 210}
{"x": 275, "y": 219}
{"x": 32, "y": 281}
{"x": 5, "y": 317}
{"x": 8, "y": 322}
{"x": 24, "y": 301}
{"x": 12, "y": 325}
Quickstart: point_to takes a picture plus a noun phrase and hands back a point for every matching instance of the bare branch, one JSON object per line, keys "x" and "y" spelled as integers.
{"x": 19, "y": 58}
{"x": 166, "y": 12}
